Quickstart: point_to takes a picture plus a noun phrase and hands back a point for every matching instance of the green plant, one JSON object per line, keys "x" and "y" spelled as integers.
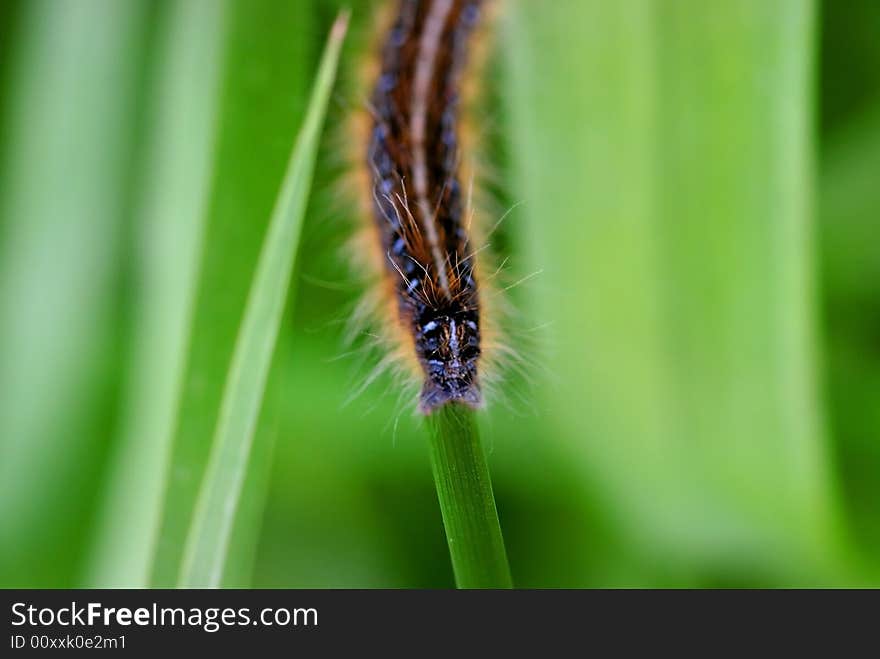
{"x": 674, "y": 161}
{"x": 464, "y": 490}
{"x": 209, "y": 538}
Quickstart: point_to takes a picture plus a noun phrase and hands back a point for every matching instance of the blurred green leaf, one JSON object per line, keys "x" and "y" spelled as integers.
{"x": 850, "y": 207}
{"x": 850, "y": 203}
{"x": 849, "y": 66}
{"x": 71, "y": 116}
{"x": 209, "y": 538}
{"x": 168, "y": 232}
{"x": 663, "y": 151}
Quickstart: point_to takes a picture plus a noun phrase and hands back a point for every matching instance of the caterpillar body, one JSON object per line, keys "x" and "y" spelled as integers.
{"x": 420, "y": 212}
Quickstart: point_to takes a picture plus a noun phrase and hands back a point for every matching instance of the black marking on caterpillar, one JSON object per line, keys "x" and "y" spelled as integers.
{"x": 418, "y": 204}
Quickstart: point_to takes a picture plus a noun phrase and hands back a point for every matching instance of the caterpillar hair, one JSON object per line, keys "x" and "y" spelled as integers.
{"x": 430, "y": 300}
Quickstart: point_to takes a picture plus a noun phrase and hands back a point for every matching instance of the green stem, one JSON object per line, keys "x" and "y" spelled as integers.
{"x": 464, "y": 490}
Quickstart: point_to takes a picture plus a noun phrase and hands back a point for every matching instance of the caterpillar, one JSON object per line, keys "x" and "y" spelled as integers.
{"x": 420, "y": 212}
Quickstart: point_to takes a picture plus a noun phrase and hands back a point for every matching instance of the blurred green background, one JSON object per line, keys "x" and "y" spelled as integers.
{"x": 697, "y": 184}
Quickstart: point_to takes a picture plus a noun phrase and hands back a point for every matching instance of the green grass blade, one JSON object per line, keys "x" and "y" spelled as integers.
{"x": 270, "y": 63}
{"x": 209, "y": 536}
{"x": 169, "y": 234}
{"x": 464, "y": 489}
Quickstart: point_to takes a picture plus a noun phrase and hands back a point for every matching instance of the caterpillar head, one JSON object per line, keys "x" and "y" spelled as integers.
{"x": 448, "y": 346}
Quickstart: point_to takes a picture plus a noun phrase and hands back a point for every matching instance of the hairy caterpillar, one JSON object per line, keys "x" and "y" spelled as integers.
{"x": 420, "y": 212}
